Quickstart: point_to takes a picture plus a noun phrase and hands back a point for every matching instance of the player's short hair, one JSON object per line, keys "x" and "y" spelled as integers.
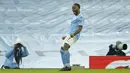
{"x": 77, "y": 5}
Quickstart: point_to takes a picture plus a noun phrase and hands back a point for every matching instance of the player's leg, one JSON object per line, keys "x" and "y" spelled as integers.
{"x": 62, "y": 55}
{"x": 67, "y": 54}
{"x": 62, "y": 51}
{"x": 67, "y": 42}
{"x": 66, "y": 57}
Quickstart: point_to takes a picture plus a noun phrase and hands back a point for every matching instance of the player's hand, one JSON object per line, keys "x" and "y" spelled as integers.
{"x": 72, "y": 35}
{"x": 63, "y": 37}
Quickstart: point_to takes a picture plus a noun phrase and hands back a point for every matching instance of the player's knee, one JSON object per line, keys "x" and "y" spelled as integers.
{"x": 66, "y": 47}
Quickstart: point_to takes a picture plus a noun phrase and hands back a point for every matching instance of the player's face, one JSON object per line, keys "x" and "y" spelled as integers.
{"x": 75, "y": 9}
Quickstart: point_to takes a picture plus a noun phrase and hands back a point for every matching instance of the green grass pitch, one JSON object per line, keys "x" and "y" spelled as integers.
{"x": 73, "y": 71}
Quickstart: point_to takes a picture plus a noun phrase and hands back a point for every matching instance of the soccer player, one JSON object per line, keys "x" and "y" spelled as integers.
{"x": 74, "y": 34}
{"x": 14, "y": 56}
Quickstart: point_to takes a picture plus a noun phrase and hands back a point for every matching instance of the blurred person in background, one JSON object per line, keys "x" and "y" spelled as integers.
{"x": 14, "y": 56}
{"x": 117, "y": 49}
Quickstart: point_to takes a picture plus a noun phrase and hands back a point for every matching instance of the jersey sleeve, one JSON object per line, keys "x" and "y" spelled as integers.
{"x": 81, "y": 21}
